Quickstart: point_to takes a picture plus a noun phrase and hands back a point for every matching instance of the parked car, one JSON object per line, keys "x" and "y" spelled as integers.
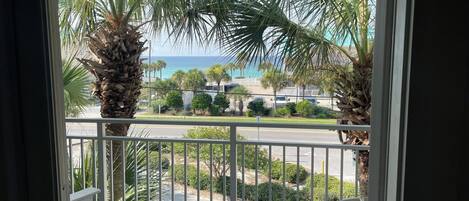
{"x": 312, "y": 100}
{"x": 281, "y": 101}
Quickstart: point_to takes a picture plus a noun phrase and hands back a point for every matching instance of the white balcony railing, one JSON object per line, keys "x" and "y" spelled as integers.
{"x": 158, "y": 180}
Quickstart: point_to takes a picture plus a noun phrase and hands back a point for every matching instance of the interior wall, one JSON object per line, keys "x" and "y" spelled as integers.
{"x": 438, "y": 117}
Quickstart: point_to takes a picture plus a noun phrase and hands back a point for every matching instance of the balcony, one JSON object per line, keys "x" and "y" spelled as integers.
{"x": 181, "y": 168}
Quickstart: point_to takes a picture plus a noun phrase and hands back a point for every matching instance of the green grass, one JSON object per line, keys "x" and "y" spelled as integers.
{"x": 297, "y": 120}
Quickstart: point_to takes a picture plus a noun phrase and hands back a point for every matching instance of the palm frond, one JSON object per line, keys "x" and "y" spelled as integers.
{"x": 76, "y": 83}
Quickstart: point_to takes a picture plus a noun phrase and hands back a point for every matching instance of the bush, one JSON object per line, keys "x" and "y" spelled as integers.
{"x": 214, "y": 110}
{"x": 250, "y": 113}
{"x": 174, "y": 100}
{"x": 220, "y": 133}
{"x": 222, "y": 102}
{"x": 204, "y": 177}
{"x": 323, "y": 112}
{"x": 257, "y": 107}
{"x": 201, "y": 101}
{"x": 333, "y": 188}
{"x": 291, "y": 107}
{"x": 281, "y": 112}
{"x": 219, "y": 187}
{"x": 277, "y": 192}
{"x": 161, "y": 104}
{"x": 290, "y": 172}
{"x": 304, "y": 108}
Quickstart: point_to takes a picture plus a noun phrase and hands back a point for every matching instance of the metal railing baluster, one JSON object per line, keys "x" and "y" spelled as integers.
{"x": 160, "y": 169}
{"x": 341, "y": 192}
{"x": 135, "y": 171}
{"x": 70, "y": 160}
{"x": 198, "y": 171}
{"x": 243, "y": 194}
{"x": 172, "y": 172}
{"x": 256, "y": 170}
{"x": 111, "y": 168}
{"x": 312, "y": 174}
{"x": 82, "y": 165}
{"x": 357, "y": 166}
{"x": 270, "y": 172}
{"x": 185, "y": 171}
{"x": 102, "y": 169}
{"x": 224, "y": 172}
{"x": 211, "y": 169}
{"x": 326, "y": 180}
{"x": 233, "y": 165}
{"x": 124, "y": 164}
{"x": 283, "y": 174}
{"x": 147, "y": 152}
{"x": 298, "y": 173}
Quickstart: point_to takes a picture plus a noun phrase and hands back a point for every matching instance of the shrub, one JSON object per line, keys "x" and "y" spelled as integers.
{"x": 214, "y": 110}
{"x": 291, "y": 107}
{"x": 222, "y": 102}
{"x": 277, "y": 192}
{"x": 201, "y": 101}
{"x": 323, "y": 112}
{"x": 163, "y": 87}
{"x": 220, "y": 133}
{"x": 250, "y": 113}
{"x": 174, "y": 100}
{"x": 333, "y": 188}
{"x": 290, "y": 173}
{"x": 257, "y": 107}
{"x": 304, "y": 108}
{"x": 204, "y": 177}
{"x": 159, "y": 104}
{"x": 281, "y": 112}
{"x": 219, "y": 187}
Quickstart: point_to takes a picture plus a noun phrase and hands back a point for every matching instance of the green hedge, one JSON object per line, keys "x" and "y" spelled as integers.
{"x": 204, "y": 177}
{"x": 333, "y": 188}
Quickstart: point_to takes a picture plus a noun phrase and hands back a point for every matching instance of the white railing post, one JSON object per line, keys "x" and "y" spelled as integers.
{"x": 102, "y": 173}
{"x": 233, "y": 166}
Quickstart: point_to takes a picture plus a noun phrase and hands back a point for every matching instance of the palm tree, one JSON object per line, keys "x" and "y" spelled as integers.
{"x": 76, "y": 84}
{"x": 179, "y": 77}
{"x": 306, "y": 79}
{"x": 194, "y": 80}
{"x": 239, "y": 93}
{"x": 231, "y": 67}
{"x": 113, "y": 35}
{"x": 160, "y": 65}
{"x": 216, "y": 74}
{"x": 329, "y": 35}
{"x": 265, "y": 66}
{"x": 241, "y": 62}
{"x": 275, "y": 79}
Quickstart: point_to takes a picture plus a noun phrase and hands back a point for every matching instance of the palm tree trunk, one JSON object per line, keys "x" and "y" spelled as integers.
{"x": 353, "y": 93}
{"x": 275, "y": 101}
{"x": 218, "y": 87}
{"x": 304, "y": 89}
{"x": 118, "y": 83}
{"x": 241, "y": 107}
{"x": 161, "y": 74}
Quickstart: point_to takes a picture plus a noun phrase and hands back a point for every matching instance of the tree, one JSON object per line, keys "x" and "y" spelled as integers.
{"x": 326, "y": 35}
{"x": 159, "y": 66}
{"x": 265, "y": 66}
{"x": 305, "y": 79}
{"x": 163, "y": 87}
{"x": 113, "y": 35}
{"x": 179, "y": 77}
{"x": 174, "y": 100}
{"x": 239, "y": 93}
{"x": 275, "y": 79}
{"x": 194, "y": 80}
{"x": 216, "y": 74}
{"x": 221, "y": 101}
{"x": 230, "y": 67}
{"x": 241, "y": 62}
{"x": 201, "y": 101}
{"x": 76, "y": 84}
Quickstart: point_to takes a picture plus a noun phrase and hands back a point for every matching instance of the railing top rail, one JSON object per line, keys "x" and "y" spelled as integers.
{"x": 212, "y": 141}
{"x": 213, "y": 123}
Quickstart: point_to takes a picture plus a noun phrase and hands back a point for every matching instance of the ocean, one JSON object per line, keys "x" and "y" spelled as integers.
{"x": 185, "y": 63}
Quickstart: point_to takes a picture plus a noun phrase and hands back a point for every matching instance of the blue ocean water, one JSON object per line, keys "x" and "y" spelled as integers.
{"x": 185, "y": 63}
